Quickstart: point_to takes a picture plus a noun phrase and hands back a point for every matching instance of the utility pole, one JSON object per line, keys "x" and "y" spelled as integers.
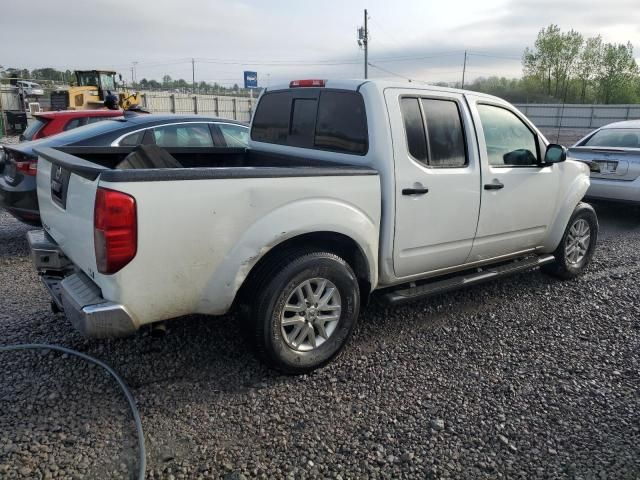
{"x": 135, "y": 73}
{"x": 464, "y": 68}
{"x": 193, "y": 74}
{"x": 363, "y": 41}
{"x": 366, "y": 45}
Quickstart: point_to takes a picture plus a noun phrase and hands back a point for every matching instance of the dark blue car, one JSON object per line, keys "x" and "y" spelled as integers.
{"x": 19, "y": 163}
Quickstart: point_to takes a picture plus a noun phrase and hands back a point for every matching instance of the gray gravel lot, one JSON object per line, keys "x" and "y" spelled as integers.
{"x": 528, "y": 377}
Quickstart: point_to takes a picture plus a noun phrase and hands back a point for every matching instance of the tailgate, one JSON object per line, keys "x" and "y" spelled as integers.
{"x": 615, "y": 164}
{"x": 66, "y": 194}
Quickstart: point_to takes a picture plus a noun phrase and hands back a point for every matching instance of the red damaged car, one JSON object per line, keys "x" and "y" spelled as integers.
{"x": 46, "y": 124}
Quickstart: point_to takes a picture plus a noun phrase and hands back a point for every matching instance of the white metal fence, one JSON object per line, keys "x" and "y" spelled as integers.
{"x": 235, "y": 108}
{"x": 578, "y": 116}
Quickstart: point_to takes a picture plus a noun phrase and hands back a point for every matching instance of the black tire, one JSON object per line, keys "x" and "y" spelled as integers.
{"x": 275, "y": 283}
{"x": 562, "y": 267}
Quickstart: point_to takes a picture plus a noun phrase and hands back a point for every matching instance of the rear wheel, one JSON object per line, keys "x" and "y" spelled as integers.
{"x": 305, "y": 310}
{"x": 578, "y": 243}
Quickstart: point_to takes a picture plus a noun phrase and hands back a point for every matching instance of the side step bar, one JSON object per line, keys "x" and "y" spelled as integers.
{"x": 453, "y": 283}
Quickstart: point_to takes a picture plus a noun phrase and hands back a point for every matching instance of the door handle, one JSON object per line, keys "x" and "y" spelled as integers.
{"x": 415, "y": 191}
{"x": 494, "y": 186}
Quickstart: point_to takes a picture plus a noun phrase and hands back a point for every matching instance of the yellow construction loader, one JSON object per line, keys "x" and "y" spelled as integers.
{"x": 89, "y": 91}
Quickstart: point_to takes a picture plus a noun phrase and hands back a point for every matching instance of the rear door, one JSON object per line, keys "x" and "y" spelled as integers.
{"x": 437, "y": 180}
{"x": 519, "y": 195}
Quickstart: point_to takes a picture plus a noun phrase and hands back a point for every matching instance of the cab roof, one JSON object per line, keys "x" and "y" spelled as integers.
{"x": 381, "y": 85}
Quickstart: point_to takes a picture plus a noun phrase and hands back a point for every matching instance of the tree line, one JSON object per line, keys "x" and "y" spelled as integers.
{"x": 567, "y": 67}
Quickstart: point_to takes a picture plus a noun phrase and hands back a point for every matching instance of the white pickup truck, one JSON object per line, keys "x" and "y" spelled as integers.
{"x": 347, "y": 187}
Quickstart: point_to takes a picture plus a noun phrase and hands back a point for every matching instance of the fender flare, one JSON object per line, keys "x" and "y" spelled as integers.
{"x": 574, "y": 195}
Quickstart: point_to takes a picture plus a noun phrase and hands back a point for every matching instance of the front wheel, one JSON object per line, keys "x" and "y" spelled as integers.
{"x": 578, "y": 244}
{"x": 305, "y": 311}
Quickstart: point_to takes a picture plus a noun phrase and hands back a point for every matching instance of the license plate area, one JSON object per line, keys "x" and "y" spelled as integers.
{"x": 607, "y": 166}
{"x": 59, "y": 185}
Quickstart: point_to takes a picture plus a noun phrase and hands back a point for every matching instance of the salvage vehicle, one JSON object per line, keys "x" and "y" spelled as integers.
{"x": 30, "y": 89}
{"x": 615, "y": 148}
{"x": 46, "y": 124}
{"x": 19, "y": 163}
{"x": 347, "y": 188}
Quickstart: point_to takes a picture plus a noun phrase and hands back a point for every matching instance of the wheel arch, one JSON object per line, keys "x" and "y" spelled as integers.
{"x": 329, "y": 241}
{"x": 570, "y": 201}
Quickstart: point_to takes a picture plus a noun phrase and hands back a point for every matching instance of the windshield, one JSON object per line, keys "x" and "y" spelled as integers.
{"x": 615, "y": 137}
{"x": 107, "y": 82}
{"x": 87, "y": 79}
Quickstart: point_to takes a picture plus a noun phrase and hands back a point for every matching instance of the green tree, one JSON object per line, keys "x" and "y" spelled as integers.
{"x": 618, "y": 74}
{"x": 586, "y": 66}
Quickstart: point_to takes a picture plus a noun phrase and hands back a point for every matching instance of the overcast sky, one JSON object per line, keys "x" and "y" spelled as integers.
{"x": 286, "y": 39}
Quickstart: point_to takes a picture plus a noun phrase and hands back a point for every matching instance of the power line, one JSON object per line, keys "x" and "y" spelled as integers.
{"x": 393, "y": 73}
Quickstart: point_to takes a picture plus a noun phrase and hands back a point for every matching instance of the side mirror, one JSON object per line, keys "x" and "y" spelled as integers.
{"x": 555, "y": 154}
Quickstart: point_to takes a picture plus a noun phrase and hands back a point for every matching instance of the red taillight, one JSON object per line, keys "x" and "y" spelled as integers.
{"x": 307, "y": 83}
{"x": 29, "y": 167}
{"x": 115, "y": 230}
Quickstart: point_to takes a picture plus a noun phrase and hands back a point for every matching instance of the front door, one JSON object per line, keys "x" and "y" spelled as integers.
{"x": 437, "y": 181}
{"x": 519, "y": 195}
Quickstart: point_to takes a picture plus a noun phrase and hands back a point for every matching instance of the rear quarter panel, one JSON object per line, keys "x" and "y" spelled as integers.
{"x": 198, "y": 239}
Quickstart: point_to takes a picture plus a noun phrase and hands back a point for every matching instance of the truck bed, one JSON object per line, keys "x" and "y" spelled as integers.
{"x": 202, "y": 227}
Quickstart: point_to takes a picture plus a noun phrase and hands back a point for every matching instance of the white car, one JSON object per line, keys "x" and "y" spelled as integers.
{"x": 348, "y": 188}
{"x": 30, "y": 89}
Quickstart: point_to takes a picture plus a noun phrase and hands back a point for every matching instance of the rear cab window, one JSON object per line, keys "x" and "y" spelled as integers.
{"x": 316, "y": 118}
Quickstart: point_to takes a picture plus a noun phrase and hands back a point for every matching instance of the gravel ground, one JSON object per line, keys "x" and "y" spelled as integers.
{"x": 527, "y": 377}
{"x": 9, "y": 140}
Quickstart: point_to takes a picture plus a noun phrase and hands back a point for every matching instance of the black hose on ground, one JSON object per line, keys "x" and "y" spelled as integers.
{"x": 142, "y": 463}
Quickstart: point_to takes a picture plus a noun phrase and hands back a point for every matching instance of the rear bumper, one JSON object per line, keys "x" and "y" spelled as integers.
{"x": 20, "y": 200}
{"x": 76, "y": 294}
{"x": 617, "y": 190}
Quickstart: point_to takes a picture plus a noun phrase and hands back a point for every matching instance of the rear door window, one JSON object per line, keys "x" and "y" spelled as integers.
{"x": 435, "y": 136}
{"x": 444, "y": 131}
{"x": 234, "y": 135}
{"x": 183, "y": 135}
{"x": 332, "y": 120}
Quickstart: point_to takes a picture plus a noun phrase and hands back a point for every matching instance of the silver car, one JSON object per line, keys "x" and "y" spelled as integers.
{"x": 615, "y": 148}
